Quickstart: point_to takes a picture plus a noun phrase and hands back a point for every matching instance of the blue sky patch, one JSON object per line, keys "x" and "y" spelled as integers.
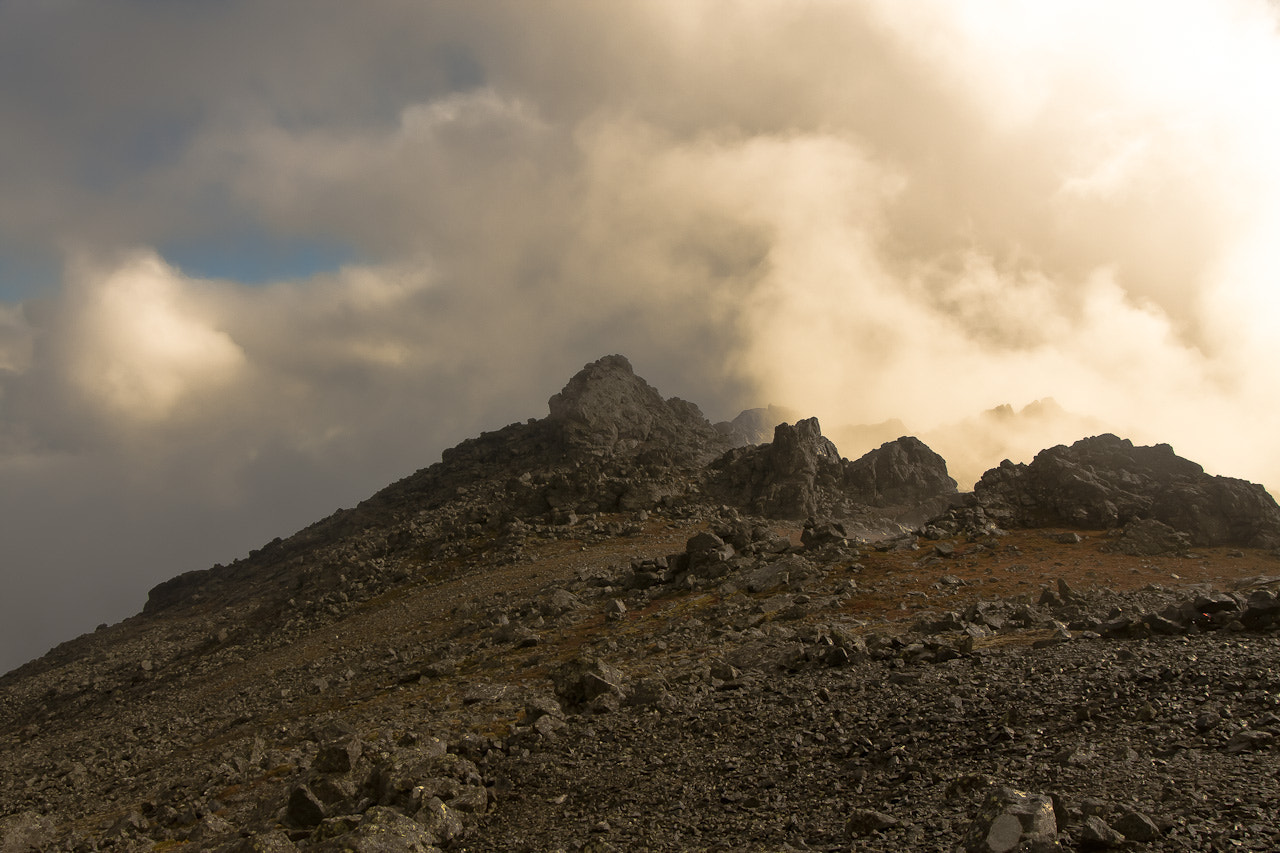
{"x": 25, "y": 276}
{"x": 257, "y": 258}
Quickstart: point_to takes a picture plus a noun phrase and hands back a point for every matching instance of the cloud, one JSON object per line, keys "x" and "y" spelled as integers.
{"x": 138, "y": 345}
{"x": 862, "y": 210}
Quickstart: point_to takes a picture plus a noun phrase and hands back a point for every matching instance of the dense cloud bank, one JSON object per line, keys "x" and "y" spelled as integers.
{"x": 861, "y": 210}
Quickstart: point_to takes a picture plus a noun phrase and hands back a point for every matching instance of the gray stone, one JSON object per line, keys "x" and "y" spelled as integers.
{"x": 558, "y": 602}
{"x": 702, "y": 542}
{"x": 1148, "y": 537}
{"x": 1136, "y": 826}
{"x": 1009, "y": 820}
{"x": 866, "y": 821}
{"x": 766, "y": 577}
{"x": 26, "y": 832}
{"x": 1096, "y": 832}
{"x": 333, "y": 791}
{"x": 383, "y": 830}
{"x": 818, "y": 534}
{"x": 304, "y": 808}
{"x": 473, "y": 799}
{"x": 440, "y": 823}
{"x": 340, "y": 757}
{"x": 541, "y": 705}
{"x": 1249, "y": 740}
{"x": 549, "y": 727}
{"x": 584, "y": 680}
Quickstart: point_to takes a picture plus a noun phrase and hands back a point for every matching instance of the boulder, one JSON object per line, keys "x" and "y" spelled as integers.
{"x": 385, "y": 830}
{"x": 1147, "y": 537}
{"x": 1013, "y": 820}
{"x": 338, "y": 757}
{"x": 581, "y": 681}
{"x": 25, "y": 832}
{"x": 1136, "y": 826}
{"x": 304, "y": 809}
{"x": 867, "y": 821}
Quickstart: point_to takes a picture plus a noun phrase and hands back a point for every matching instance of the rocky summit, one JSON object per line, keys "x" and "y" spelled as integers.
{"x": 623, "y": 628}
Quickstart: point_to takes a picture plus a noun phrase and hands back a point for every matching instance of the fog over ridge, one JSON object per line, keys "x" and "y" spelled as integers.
{"x": 860, "y": 210}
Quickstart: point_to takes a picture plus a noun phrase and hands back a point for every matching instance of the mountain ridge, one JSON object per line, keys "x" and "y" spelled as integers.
{"x": 610, "y": 442}
{"x": 611, "y": 629}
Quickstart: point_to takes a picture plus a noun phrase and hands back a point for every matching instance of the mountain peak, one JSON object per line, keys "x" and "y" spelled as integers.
{"x": 608, "y": 410}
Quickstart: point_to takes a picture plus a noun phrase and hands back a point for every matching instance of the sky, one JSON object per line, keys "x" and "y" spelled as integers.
{"x": 258, "y": 260}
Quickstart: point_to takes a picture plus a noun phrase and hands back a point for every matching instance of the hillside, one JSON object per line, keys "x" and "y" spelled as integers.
{"x": 618, "y": 627}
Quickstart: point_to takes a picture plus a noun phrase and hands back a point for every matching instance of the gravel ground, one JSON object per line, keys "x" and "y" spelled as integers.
{"x": 1179, "y": 729}
{"x": 862, "y": 700}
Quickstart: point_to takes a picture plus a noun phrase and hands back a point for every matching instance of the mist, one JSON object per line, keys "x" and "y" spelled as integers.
{"x": 864, "y": 211}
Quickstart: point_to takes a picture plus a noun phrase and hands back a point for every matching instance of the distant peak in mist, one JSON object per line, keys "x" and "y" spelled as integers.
{"x": 1035, "y": 410}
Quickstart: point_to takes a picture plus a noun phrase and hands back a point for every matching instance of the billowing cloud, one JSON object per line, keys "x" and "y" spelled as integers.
{"x": 138, "y": 347}
{"x": 863, "y": 210}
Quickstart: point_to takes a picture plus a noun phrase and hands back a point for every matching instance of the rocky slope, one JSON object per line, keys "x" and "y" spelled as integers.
{"x": 608, "y": 629}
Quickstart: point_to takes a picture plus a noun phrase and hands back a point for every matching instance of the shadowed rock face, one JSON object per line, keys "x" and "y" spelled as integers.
{"x": 607, "y": 410}
{"x": 898, "y": 473}
{"x": 801, "y": 474}
{"x": 785, "y": 478}
{"x": 1105, "y": 482}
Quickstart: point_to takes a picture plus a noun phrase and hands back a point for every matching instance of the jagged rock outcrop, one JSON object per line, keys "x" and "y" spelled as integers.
{"x": 791, "y": 477}
{"x": 801, "y": 474}
{"x": 1011, "y": 820}
{"x": 1105, "y": 482}
{"x": 607, "y": 410}
{"x": 610, "y": 443}
{"x": 899, "y": 473}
